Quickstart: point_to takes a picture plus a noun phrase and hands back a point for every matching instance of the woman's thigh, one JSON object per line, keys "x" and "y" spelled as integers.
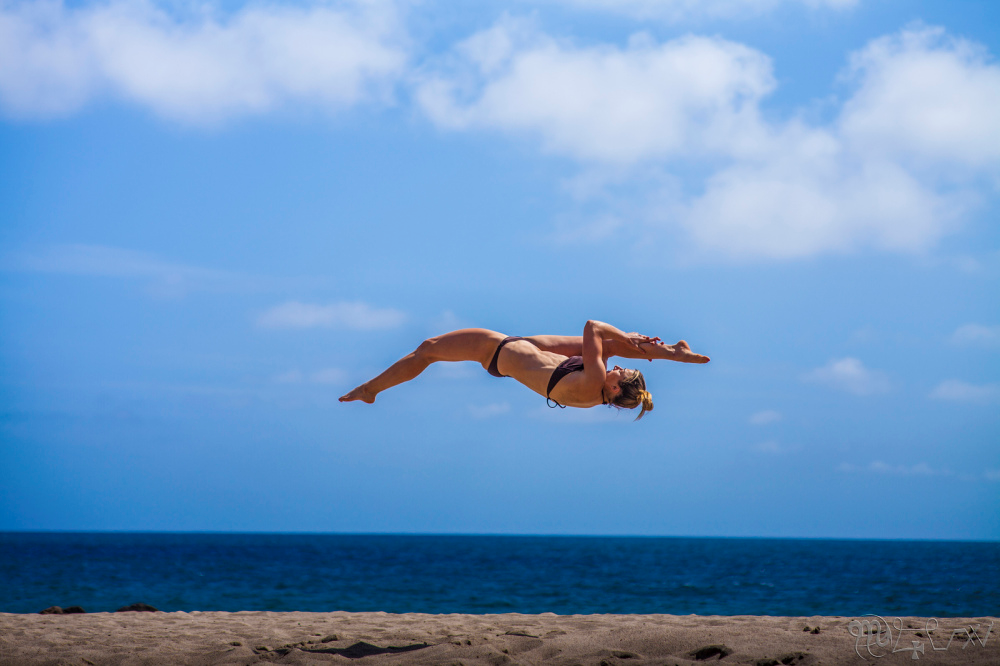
{"x": 467, "y": 344}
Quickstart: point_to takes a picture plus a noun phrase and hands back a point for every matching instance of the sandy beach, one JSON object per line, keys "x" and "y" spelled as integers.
{"x": 382, "y": 638}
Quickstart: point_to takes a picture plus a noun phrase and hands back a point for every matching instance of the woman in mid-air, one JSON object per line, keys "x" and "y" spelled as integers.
{"x": 568, "y": 370}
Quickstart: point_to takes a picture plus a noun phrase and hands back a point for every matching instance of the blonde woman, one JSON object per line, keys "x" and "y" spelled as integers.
{"x": 570, "y": 371}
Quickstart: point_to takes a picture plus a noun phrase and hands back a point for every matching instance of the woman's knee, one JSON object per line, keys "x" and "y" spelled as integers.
{"x": 425, "y": 352}
{"x": 464, "y": 345}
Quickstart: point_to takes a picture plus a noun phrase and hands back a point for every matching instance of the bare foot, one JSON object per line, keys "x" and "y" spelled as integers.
{"x": 360, "y": 393}
{"x": 685, "y": 355}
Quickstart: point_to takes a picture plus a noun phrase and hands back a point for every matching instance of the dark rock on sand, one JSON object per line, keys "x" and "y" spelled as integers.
{"x": 710, "y": 651}
{"x": 57, "y": 610}
{"x": 363, "y": 649}
{"x": 138, "y": 608}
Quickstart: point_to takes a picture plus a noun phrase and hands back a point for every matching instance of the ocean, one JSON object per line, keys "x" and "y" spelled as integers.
{"x": 498, "y": 574}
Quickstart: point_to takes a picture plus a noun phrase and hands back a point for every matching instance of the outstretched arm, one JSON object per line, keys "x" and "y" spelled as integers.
{"x": 572, "y": 345}
{"x": 648, "y": 348}
{"x": 654, "y": 348}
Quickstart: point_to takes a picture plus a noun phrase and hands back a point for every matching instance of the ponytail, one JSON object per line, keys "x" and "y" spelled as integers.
{"x": 646, "y": 401}
{"x": 634, "y": 394}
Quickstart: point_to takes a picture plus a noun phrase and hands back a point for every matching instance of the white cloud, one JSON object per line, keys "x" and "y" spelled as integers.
{"x": 955, "y": 390}
{"x": 925, "y": 95}
{"x": 200, "y": 68}
{"x": 797, "y": 207}
{"x": 489, "y": 411}
{"x": 765, "y": 417}
{"x": 975, "y": 334}
{"x": 850, "y": 375}
{"x": 603, "y": 103}
{"x": 676, "y": 10}
{"x": 895, "y": 171}
{"x": 346, "y": 314}
{"x": 775, "y": 189}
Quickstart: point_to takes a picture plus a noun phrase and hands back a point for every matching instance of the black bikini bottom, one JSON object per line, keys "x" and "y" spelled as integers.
{"x": 493, "y": 370}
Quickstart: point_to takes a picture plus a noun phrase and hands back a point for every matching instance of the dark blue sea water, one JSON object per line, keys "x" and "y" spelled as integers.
{"x": 498, "y": 574}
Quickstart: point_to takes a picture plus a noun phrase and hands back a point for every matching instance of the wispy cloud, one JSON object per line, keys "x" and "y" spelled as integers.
{"x": 323, "y": 376}
{"x": 976, "y": 335}
{"x": 290, "y": 377}
{"x": 165, "y": 278}
{"x": 880, "y": 467}
{"x": 955, "y": 390}
{"x": 448, "y": 321}
{"x": 199, "y": 67}
{"x": 583, "y": 416}
{"x": 489, "y": 411}
{"x": 353, "y": 315}
{"x": 850, "y": 375}
{"x": 773, "y": 447}
{"x": 765, "y": 417}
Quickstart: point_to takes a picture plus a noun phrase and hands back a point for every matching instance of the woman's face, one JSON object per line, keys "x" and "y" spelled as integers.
{"x": 614, "y": 377}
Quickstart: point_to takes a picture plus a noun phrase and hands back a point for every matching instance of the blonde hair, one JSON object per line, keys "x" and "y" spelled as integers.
{"x": 633, "y": 394}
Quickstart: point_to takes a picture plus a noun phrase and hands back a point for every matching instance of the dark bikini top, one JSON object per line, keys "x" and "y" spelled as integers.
{"x": 572, "y": 364}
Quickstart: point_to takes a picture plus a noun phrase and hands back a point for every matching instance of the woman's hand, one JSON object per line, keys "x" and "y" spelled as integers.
{"x": 626, "y": 345}
{"x": 636, "y": 340}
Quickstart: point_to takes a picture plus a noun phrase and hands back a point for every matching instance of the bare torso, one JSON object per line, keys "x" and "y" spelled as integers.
{"x": 533, "y": 367}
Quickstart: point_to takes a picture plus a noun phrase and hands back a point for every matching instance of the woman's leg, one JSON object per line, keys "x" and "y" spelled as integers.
{"x": 468, "y": 344}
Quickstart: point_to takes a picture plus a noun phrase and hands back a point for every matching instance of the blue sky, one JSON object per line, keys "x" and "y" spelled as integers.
{"x": 215, "y": 218}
